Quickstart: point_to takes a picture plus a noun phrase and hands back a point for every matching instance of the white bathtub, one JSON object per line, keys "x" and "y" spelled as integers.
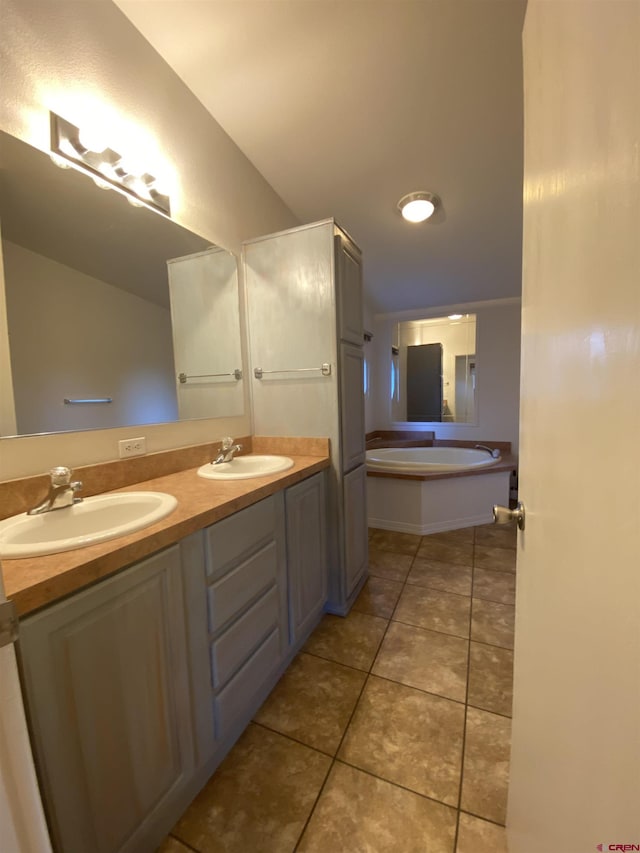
{"x": 423, "y": 460}
{"x": 431, "y": 505}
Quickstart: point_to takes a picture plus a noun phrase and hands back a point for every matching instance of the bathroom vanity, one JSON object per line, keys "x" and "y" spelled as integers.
{"x": 138, "y": 685}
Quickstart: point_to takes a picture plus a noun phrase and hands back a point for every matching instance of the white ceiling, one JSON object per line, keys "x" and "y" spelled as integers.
{"x": 346, "y": 105}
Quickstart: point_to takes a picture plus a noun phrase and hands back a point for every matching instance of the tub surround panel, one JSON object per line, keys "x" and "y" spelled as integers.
{"x": 35, "y": 582}
{"x": 431, "y": 503}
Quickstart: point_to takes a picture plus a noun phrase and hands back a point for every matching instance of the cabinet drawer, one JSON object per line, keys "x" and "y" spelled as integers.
{"x": 231, "y": 593}
{"x": 235, "y": 701}
{"x": 230, "y": 650}
{"x": 234, "y": 538}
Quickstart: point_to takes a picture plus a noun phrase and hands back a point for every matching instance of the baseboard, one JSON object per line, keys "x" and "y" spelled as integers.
{"x": 433, "y": 527}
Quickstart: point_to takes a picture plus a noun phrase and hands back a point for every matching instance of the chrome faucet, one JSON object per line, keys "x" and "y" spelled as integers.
{"x": 495, "y": 452}
{"x": 227, "y": 451}
{"x": 61, "y": 492}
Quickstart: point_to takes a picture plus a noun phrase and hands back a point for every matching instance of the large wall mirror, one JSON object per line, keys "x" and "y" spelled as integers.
{"x": 91, "y": 286}
{"x": 433, "y": 371}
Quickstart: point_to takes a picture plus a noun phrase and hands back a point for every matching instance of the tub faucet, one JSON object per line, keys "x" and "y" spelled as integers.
{"x": 61, "y": 492}
{"x": 227, "y": 451}
{"x": 495, "y": 452}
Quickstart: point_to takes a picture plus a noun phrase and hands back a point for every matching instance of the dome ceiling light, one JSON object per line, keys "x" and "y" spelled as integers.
{"x": 418, "y": 206}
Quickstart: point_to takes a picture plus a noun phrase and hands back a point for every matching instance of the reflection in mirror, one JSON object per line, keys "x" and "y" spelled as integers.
{"x": 433, "y": 370}
{"x": 88, "y": 309}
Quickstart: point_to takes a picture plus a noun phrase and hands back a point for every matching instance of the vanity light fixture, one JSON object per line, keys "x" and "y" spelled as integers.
{"x": 89, "y": 153}
{"x": 418, "y": 206}
{"x": 454, "y": 317}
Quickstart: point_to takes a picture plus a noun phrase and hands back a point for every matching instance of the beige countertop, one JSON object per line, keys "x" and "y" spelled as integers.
{"x": 35, "y": 582}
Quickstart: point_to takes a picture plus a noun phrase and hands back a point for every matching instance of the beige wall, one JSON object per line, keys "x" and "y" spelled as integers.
{"x": 497, "y": 371}
{"x": 84, "y": 56}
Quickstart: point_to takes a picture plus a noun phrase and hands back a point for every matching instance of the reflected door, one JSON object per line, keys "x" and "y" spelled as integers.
{"x": 424, "y": 382}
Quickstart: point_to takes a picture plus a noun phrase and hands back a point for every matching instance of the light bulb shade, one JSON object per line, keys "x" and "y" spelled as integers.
{"x": 92, "y": 139}
{"x": 418, "y": 206}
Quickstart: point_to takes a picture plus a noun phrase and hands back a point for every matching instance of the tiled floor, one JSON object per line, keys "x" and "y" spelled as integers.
{"x": 390, "y": 730}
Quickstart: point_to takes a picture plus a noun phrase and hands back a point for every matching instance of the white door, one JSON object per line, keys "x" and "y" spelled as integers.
{"x": 575, "y": 770}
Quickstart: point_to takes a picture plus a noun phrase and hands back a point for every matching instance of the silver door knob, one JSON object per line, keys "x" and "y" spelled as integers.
{"x": 503, "y": 515}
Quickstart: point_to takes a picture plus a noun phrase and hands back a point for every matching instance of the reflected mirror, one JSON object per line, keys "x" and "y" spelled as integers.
{"x": 90, "y": 287}
{"x": 433, "y": 370}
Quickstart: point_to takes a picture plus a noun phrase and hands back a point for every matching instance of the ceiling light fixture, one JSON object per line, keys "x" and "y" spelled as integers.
{"x": 454, "y": 317}
{"x": 418, "y": 206}
{"x": 89, "y": 154}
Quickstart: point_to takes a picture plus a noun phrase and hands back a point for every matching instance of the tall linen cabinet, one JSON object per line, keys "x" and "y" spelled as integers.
{"x": 304, "y": 313}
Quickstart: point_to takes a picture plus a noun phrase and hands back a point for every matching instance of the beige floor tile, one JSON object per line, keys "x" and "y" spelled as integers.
{"x": 357, "y": 812}
{"x": 479, "y": 836}
{"x": 172, "y": 845}
{"x": 424, "y": 659}
{"x": 435, "y": 610}
{"x": 492, "y": 623}
{"x": 460, "y": 553}
{"x": 352, "y": 640}
{"x": 386, "y": 564}
{"x": 491, "y": 678}
{"x": 462, "y": 536}
{"x": 497, "y": 536}
{"x": 379, "y": 597}
{"x": 485, "y": 776}
{"x": 259, "y": 798}
{"x": 408, "y": 737}
{"x": 494, "y": 586}
{"x": 495, "y": 559}
{"x": 438, "y": 575}
{"x": 390, "y": 540}
{"x": 313, "y": 702}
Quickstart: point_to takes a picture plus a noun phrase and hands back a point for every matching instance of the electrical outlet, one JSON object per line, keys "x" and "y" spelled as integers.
{"x": 132, "y": 447}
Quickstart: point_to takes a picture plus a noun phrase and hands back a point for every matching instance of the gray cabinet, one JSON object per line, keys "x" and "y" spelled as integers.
{"x": 352, "y": 406}
{"x": 304, "y": 310}
{"x": 107, "y": 687}
{"x": 306, "y": 556}
{"x": 247, "y": 612}
{"x": 355, "y": 534}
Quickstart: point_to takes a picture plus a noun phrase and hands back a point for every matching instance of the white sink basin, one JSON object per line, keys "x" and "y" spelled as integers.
{"x": 95, "y": 519}
{"x": 244, "y": 467}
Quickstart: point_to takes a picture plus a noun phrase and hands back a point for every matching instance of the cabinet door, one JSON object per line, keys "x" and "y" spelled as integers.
{"x": 349, "y": 291}
{"x": 108, "y": 699}
{"x": 292, "y": 332}
{"x": 355, "y": 527}
{"x": 306, "y": 555}
{"x": 352, "y": 428}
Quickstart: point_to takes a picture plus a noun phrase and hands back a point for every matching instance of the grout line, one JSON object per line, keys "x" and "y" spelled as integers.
{"x": 435, "y": 631}
{"x": 422, "y": 690}
{"x": 480, "y": 817}
{"x": 466, "y": 696}
{"x": 337, "y": 662}
{"x": 344, "y": 734}
{"x": 184, "y": 843}
{"x": 396, "y": 784}
{"x": 330, "y": 755}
